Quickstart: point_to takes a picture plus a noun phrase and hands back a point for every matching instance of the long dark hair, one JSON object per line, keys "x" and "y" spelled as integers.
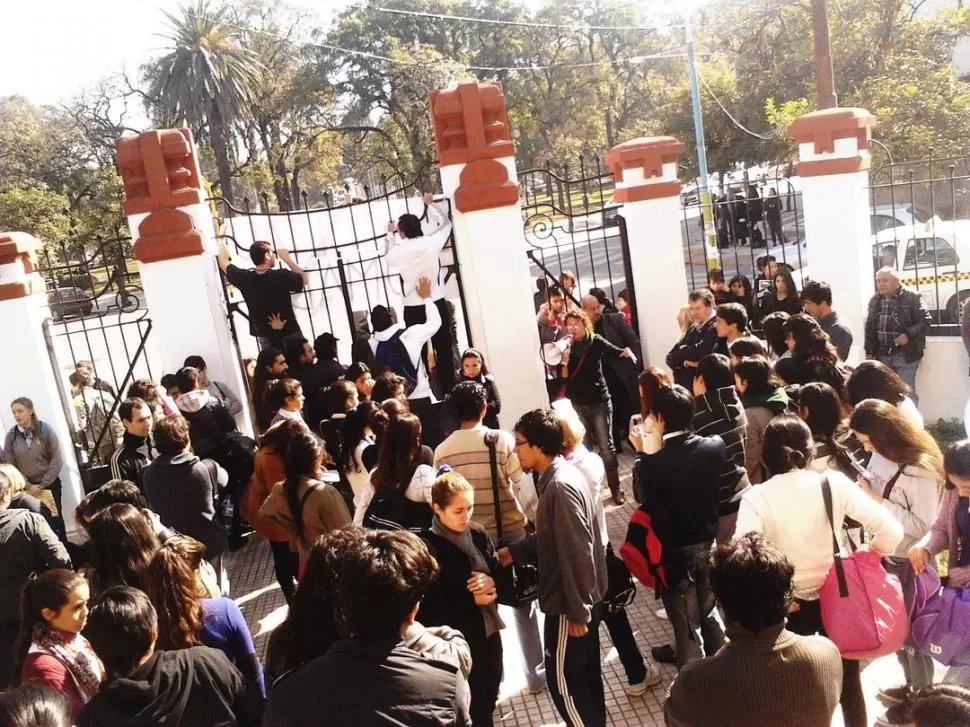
{"x": 788, "y": 445}
{"x": 827, "y": 414}
{"x": 51, "y": 589}
{"x": 747, "y": 300}
{"x": 172, "y": 583}
{"x": 123, "y": 543}
{"x": 810, "y": 340}
{"x": 352, "y": 431}
{"x": 302, "y": 455}
{"x": 875, "y": 380}
{"x": 757, "y": 373}
{"x": 310, "y": 627}
{"x": 399, "y": 453}
{"x": 791, "y": 290}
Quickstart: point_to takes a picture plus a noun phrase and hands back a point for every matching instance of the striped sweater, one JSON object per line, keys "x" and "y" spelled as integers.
{"x": 720, "y": 412}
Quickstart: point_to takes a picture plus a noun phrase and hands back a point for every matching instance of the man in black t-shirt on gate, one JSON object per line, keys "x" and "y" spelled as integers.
{"x": 267, "y": 290}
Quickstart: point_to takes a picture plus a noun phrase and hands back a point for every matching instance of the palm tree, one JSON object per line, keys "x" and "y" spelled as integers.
{"x": 207, "y": 80}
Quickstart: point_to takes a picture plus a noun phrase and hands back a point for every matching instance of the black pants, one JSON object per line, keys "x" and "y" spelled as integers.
{"x": 430, "y": 416}
{"x": 573, "y": 672}
{"x": 286, "y": 564}
{"x": 57, "y": 521}
{"x": 485, "y": 679}
{"x": 621, "y": 634}
{"x": 807, "y": 620}
{"x": 774, "y": 228}
{"x": 444, "y": 342}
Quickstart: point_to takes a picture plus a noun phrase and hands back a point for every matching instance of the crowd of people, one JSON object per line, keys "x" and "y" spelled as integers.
{"x": 400, "y": 516}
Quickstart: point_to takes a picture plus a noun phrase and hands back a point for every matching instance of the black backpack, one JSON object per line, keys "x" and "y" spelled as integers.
{"x": 394, "y": 355}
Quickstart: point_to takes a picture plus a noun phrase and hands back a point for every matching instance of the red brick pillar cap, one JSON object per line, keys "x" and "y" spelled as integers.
{"x": 159, "y": 170}
{"x": 832, "y": 141}
{"x": 470, "y": 123}
{"x": 645, "y": 168}
{"x": 18, "y": 277}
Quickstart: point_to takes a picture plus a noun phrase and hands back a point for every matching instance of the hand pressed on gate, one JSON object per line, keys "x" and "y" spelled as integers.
{"x": 424, "y": 288}
{"x": 276, "y": 321}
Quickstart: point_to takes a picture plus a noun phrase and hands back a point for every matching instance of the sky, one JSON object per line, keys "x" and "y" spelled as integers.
{"x": 64, "y": 46}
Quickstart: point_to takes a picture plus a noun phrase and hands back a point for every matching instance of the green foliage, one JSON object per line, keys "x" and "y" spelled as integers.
{"x": 53, "y": 184}
{"x": 947, "y": 432}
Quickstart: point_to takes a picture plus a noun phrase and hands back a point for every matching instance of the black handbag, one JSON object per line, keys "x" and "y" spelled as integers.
{"x": 620, "y": 588}
{"x": 517, "y": 584}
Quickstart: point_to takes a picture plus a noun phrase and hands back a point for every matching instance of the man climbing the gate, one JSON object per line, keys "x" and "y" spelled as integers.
{"x": 267, "y": 290}
{"x": 413, "y": 251}
{"x": 398, "y": 348}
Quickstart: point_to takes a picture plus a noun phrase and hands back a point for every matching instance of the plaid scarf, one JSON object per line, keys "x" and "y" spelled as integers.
{"x": 75, "y": 653}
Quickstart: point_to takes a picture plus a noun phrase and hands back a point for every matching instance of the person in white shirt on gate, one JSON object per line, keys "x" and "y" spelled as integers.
{"x": 398, "y": 348}
{"x": 414, "y": 248}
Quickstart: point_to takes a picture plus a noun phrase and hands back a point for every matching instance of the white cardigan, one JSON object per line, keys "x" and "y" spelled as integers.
{"x": 789, "y": 510}
{"x": 914, "y": 501}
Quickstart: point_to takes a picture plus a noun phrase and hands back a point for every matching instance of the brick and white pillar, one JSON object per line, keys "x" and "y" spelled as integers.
{"x": 476, "y": 158}
{"x": 26, "y": 369}
{"x": 645, "y": 173}
{"x": 175, "y": 245}
{"x": 833, "y": 149}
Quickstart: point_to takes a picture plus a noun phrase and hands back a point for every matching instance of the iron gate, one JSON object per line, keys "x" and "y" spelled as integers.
{"x": 920, "y": 225}
{"x": 341, "y": 247}
{"x": 99, "y": 321}
{"x": 572, "y": 226}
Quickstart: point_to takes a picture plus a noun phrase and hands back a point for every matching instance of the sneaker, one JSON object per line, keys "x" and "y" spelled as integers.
{"x": 662, "y": 614}
{"x": 650, "y": 680}
{"x": 899, "y": 716}
{"x": 894, "y": 695}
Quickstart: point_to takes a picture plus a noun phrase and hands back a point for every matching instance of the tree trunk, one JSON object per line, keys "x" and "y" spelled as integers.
{"x": 220, "y": 145}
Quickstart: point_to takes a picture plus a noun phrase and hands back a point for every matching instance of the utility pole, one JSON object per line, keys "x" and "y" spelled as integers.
{"x": 703, "y": 194}
{"x": 824, "y": 75}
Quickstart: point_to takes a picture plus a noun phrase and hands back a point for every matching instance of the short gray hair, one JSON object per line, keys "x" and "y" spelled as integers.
{"x": 888, "y": 272}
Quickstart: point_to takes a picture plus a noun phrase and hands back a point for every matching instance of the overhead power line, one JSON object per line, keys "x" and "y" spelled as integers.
{"x": 668, "y": 54}
{"x": 514, "y": 23}
{"x": 742, "y": 127}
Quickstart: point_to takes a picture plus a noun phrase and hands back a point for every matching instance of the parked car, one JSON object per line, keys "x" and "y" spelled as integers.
{"x": 69, "y": 301}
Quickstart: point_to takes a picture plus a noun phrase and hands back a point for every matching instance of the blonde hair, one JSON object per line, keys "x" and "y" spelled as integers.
{"x": 683, "y": 319}
{"x": 573, "y": 430}
{"x": 17, "y": 481}
{"x": 447, "y": 486}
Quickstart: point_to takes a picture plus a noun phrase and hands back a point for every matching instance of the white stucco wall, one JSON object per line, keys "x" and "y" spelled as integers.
{"x": 943, "y": 383}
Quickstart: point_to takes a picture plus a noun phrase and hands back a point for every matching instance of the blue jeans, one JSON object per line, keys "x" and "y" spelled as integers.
{"x": 906, "y": 371}
{"x": 598, "y": 420}
{"x": 691, "y": 608}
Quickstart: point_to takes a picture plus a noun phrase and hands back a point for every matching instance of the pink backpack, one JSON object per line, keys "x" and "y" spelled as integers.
{"x": 862, "y": 606}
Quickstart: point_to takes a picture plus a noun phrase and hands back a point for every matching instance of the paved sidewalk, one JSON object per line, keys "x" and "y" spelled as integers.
{"x": 261, "y": 601}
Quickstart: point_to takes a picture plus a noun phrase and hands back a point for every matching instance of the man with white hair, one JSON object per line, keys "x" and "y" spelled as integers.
{"x": 896, "y": 327}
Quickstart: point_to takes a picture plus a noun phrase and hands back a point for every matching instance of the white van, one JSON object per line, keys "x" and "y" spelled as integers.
{"x": 933, "y": 258}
